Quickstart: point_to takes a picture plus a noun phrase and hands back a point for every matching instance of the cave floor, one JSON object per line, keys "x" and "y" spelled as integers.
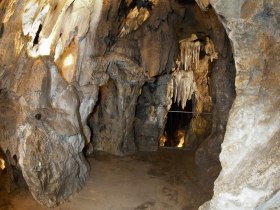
{"x": 167, "y": 179}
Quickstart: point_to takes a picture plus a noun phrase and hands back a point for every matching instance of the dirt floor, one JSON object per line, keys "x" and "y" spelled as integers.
{"x": 167, "y": 179}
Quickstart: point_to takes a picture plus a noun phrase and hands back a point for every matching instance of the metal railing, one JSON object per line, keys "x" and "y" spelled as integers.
{"x": 185, "y": 112}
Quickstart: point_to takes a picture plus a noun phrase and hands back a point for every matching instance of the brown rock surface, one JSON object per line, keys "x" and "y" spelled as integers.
{"x": 250, "y": 152}
{"x": 95, "y": 74}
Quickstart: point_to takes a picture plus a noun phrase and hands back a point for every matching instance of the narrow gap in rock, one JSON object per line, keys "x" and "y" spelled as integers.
{"x": 1, "y": 29}
{"x": 89, "y": 148}
{"x": 36, "y": 39}
{"x": 186, "y": 2}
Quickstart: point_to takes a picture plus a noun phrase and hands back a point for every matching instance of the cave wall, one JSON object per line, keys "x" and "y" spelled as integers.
{"x": 215, "y": 88}
{"x": 50, "y": 78}
{"x": 151, "y": 50}
{"x": 45, "y": 105}
{"x": 250, "y": 152}
{"x": 151, "y": 112}
{"x": 40, "y": 120}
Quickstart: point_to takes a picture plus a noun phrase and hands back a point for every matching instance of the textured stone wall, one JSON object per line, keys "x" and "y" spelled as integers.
{"x": 151, "y": 112}
{"x": 215, "y": 78}
{"x": 102, "y": 56}
{"x": 250, "y": 152}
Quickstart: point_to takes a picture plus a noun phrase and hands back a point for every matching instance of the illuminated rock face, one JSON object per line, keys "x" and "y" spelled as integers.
{"x": 250, "y": 152}
{"x": 41, "y": 126}
{"x": 64, "y": 61}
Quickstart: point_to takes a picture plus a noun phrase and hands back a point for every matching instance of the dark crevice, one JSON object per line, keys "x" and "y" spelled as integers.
{"x": 36, "y": 39}
{"x": 177, "y": 123}
{"x": 1, "y": 30}
{"x": 55, "y": 7}
{"x": 185, "y": 2}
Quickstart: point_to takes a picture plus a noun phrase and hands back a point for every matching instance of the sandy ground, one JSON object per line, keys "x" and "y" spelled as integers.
{"x": 167, "y": 179}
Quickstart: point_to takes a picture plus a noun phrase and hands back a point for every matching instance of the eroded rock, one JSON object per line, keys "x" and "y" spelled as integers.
{"x": 97, "y": 59}
{"x": 250, "y": 163}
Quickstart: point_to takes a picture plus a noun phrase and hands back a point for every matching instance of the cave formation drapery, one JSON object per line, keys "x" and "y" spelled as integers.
{"x": 97, "y": 75}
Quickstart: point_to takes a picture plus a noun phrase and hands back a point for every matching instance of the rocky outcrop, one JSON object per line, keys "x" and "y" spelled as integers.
{"x": 40, "y": 121}
{"x": 151, "y": 112}
{"x": 112, "y": 122}
{"x": 250, "y": 152}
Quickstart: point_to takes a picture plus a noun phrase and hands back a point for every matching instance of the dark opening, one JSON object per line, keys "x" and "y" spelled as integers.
{"x": 177, "y": 124}
{"x": 186, "y": 1}
{"x": 36, "y": 39}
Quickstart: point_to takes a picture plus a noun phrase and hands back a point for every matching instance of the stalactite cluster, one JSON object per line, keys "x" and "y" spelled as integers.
{"x": 184, "y": 87}
{"x": 189, "y": 53}
{"x": 190, "y": 73}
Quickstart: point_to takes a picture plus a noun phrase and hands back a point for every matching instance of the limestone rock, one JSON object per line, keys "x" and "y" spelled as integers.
{"x": 64, "y": 70}
{"x": 250, "y": 153}
{"x": 151, "y": 112}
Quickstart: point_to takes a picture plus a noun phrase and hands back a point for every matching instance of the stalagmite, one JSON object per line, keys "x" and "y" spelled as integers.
{"x": 10, "y": 11}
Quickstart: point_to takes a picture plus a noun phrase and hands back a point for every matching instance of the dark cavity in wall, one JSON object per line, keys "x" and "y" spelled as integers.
{"x": 11, "y": 178}
{"x": 36, "y": 39}
{"x": 186, "y": 2}
{"x": 177, "y": 125}
{"x": 89, "y": 148}
{"x": 1, "y": 30}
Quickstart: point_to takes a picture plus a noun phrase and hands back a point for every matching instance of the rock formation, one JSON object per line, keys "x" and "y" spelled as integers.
{"x": 250, "y": 151}
{"x": 78, "y": 76}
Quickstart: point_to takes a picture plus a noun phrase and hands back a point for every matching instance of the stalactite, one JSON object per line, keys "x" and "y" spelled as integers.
{"x": 60, "y": 21}
{"x": 135, "y": 18}
{"x": 184, "y": 87}
{"x": 137, "y": 15}
{"x": 190, "y": 70}
{"x": 189, "y": 50}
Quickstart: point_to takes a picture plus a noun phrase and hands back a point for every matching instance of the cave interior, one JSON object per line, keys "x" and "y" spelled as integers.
{"x": 133, "y": 91}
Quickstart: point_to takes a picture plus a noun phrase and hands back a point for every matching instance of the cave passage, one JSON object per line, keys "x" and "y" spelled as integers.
{"x": 178, "y": 121}
{"x": 119, "y": 108}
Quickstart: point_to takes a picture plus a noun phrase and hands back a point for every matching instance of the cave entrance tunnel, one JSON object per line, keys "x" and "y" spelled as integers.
{"x": 204, "y": 87}
{"x": 161, "y": 123}
{"x": 132, "y": 126}
{"x": 177, "y": 126}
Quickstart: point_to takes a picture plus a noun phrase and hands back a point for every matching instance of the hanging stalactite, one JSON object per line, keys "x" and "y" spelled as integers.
{"x": 190, "y": 73}
{"x": 184, "y": 87}
{"x": 189, "y": 51}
